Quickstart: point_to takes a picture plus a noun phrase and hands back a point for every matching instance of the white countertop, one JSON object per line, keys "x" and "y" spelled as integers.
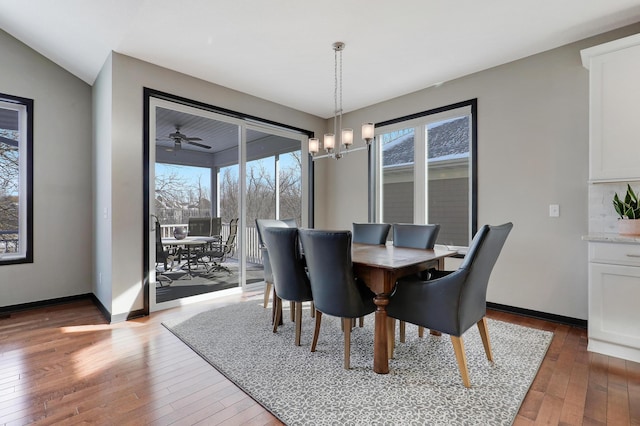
{"x": 612, "y": 238}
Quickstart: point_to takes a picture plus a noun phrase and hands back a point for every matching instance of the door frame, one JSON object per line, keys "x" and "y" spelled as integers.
{"x": 153, "y": 98}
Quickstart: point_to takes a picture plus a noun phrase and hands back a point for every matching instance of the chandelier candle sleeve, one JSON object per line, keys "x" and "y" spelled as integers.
{"x": 314, "y": 146}
{"x": 329, "y": 142}
{"x": 347, "y": 137}
{"x": 368, "y": 132}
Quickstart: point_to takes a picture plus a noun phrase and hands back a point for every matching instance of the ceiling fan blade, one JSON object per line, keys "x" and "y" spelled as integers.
{"x": 199, "y": 144}
{"x": 192, "y": 139}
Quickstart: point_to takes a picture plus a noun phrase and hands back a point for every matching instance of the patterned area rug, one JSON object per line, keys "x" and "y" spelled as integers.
{"x": 423, "y": 387}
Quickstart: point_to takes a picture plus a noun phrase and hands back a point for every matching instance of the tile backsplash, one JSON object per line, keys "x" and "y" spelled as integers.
{"x": 602, "y": 216}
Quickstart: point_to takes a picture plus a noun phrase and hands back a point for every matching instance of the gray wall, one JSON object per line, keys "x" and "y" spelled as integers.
{"x": 123, "y": 137}
{"x": 62, "y": 178}
{"x": 532, "y": 151}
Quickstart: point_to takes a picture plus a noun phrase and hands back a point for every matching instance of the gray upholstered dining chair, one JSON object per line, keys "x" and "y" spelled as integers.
{"x": 370, "y": 233}
{"x": 336, "y": 292}
{"x": 453, "y": 303}
{"x": 419, "y": 237}
{"x": 415, "y": 236}
{"x": 290, "y": 279}
{"x": 261, "y": 224}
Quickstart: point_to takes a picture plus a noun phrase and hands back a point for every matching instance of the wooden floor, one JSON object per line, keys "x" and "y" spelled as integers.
{"x": 65, "y": 365}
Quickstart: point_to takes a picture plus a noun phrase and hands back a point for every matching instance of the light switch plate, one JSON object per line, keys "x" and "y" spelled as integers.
{"x": 554, "y": 210}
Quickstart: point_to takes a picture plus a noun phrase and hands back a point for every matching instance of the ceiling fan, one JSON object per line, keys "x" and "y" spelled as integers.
{"x": 178, "y": 138}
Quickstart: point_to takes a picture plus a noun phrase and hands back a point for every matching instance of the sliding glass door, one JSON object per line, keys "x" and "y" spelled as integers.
{"x": 210, "y": 177}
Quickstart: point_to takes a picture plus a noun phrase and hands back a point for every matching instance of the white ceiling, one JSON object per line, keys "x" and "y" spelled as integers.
{"x": 280, "y": 50}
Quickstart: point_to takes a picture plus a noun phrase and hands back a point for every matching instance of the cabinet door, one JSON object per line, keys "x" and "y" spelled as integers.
{"x": 614, "y": 313}
{"x": 614, "y": 115}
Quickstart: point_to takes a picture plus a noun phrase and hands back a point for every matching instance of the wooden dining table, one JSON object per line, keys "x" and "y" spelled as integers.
{"x": 380, "y": 266}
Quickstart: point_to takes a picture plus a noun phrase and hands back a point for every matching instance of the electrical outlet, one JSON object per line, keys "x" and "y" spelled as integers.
{"x": 554, "y": 210}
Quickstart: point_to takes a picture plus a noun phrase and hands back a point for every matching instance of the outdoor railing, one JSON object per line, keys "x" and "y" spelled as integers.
{"x": 9, "y": 241}
{"x": 252, "y": 246}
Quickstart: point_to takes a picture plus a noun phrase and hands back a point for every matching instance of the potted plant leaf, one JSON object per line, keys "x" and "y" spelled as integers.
{"x": 629, "y": 212}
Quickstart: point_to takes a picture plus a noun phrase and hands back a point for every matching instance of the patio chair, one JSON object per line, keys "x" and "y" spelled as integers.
{"x": 213, "y": 259}
{"x": 164, "y": 257}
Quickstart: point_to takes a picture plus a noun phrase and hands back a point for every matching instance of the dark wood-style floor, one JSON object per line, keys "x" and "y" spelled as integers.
{"x": 65, "y": 364}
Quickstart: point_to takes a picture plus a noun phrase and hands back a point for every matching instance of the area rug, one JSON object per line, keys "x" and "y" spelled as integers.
{"x": 423, "y": 387}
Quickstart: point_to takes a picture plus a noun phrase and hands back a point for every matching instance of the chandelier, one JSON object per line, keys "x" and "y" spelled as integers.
{"x": 346, "y": 135}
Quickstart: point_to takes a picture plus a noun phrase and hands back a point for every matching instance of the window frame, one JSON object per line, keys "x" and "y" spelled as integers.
{"x": 419, "y": 120}
{"x": 24, "y": 106}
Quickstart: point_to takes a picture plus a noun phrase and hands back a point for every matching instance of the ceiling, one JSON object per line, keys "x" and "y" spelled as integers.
{"x": 280, "y": 50}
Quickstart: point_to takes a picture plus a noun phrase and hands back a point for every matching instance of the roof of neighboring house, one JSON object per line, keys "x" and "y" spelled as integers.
{"x": 446, "y": 139}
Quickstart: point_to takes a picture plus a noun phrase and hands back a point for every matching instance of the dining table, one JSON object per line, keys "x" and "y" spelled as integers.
{"x": 189, "y": 242}
{"x": 380, "y": 267}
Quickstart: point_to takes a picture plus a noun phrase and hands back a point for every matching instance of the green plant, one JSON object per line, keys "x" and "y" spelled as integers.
{"x": 630, "y": 207}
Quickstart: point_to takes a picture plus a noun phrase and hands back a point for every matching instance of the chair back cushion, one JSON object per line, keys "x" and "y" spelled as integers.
{"x": 335, "y": 289}
{"x": 289, "y": 277}
{"x": 216, "y": 226}
{"x": 230, "y": 245}
{"x": 200, "y": 226}
{"x": 161, "y": 254}
{"x": 261, "y": 224}
{"x": 479, "y": 262}
{"x": 415, "y": 236}
{"x": 370, "y": 233}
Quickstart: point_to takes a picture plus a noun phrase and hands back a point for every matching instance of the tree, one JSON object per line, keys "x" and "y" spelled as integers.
{"x": 177, "y": 198}
{"x": 229, "y": 195}
{"x": 9, "y": 182}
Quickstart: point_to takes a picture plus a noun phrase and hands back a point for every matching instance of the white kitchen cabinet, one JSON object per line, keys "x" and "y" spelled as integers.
{"x": 614, "y": 299}
{"x": 614, "y": 122}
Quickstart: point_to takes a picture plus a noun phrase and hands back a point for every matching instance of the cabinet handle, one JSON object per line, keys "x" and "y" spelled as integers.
{"x": 633, "y": 255}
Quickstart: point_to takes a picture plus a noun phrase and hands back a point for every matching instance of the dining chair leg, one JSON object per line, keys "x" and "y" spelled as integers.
{"x": 420, "y": 331}
{"x": 292, "y": 310}
{"x": 312, "y": 310}
{"x": 403, "y": 329}
{"x": 484, "y": 334}
{"x": 316, "y": 331}
{"x": 458, "y": 347}
{"x": 347, "y": 342}
{"x": 361, "y": 322}
{"x": 278, "y": 311}
{"x": 298, "y": 306}
{"x": 275, "y": 308}
{"x": 267, "y": 290}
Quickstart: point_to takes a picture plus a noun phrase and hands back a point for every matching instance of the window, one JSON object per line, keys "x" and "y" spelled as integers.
{"x": 425, "y": 171}
{"x": 16, "y": 180}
